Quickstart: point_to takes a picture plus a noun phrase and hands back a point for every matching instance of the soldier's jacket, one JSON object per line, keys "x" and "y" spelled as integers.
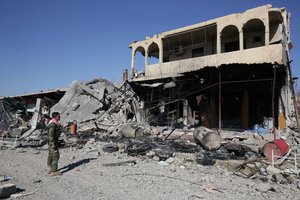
{"x": 53, "y": 135}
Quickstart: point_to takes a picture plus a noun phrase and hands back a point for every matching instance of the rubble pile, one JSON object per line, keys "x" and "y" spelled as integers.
{"x": 97, "y": 105}
{"x": 105, "y": 112}
{"x": 13, "y": 117}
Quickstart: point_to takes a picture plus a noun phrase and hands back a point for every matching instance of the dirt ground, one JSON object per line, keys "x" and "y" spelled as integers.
{"x": 85, "y": 177}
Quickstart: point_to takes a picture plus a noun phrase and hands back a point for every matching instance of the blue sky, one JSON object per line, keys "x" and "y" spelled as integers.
{"x": 49, "y": 43}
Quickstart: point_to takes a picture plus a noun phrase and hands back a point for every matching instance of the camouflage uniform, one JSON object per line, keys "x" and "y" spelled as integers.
{"x": 53, "y": 156}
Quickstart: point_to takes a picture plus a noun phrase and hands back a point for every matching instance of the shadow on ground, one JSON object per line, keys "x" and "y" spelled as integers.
{"x": 71, "y": 166}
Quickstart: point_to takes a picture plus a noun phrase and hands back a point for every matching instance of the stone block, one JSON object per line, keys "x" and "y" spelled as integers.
{"x": 263, "y": 187}
{"x": 273, "y": 170}
{"x": 209, "y": 140}
{"x": 170, "y": 160}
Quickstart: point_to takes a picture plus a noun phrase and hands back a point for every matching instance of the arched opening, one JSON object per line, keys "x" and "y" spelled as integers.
{"x": 153, "y": 54}
{"x": 275, "y": 26}
{"x": 254, "y": 34}
{"x": 230, "y": 39}
{"x": 139, "y": 64}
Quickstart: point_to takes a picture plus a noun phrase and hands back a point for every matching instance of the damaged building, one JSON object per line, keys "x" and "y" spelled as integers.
{"x": 229, "y": 72}
{"x": 19, "y": 113}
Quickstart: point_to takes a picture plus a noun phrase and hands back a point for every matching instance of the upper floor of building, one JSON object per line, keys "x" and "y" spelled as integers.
{"x": 258, "y": 35}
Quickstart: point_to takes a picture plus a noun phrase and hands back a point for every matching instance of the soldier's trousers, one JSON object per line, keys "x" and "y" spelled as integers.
{"x": 53, "y": 158}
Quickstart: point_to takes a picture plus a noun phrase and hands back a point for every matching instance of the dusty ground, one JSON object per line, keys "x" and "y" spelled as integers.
{"x": 85, "y": 177}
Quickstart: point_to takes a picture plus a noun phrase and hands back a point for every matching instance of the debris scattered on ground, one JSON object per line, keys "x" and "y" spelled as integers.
{"x": 109, "y": 121}
{"x": 128, "y": 162}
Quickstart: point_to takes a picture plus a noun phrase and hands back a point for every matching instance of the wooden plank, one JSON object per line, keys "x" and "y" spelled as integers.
{"x": 281, "y": 121}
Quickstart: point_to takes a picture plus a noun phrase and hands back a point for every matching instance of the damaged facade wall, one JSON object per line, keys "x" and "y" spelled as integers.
{"x": 230, "y": 70}
{"x": 21, "y": 114}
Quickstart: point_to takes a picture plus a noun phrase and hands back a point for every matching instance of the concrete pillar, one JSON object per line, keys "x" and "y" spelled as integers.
{"x": 146, "y": 57}
{"x": 132, "y": 62}
{"x": 284, "y": 16}
{"x": 185, "y": 112}
{"x": 219, "y": 43}
{"x": 241, "y": 40}
{"x": 161, "y": 52}
{"x": 125, "y": 75}
{"x": 267, "y": 31}
{"x": 267, "y": 40}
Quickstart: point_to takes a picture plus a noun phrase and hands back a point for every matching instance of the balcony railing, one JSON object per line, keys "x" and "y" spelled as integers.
{"x": 259, "y": 55}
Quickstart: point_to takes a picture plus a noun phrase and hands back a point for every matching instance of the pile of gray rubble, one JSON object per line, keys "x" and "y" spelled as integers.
{"x": 114, "y": 114}
{"x": 98, "y": 105}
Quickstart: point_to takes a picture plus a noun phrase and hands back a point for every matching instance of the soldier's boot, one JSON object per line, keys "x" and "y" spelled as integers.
{"x": 57, "y": 173}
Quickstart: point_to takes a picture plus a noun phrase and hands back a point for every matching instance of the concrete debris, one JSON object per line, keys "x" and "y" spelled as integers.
{"x": 107, "y": 113}
{"x": 129, "y": 162}
{"x": 273, "y": 170}
{"x": 11, "y": 112}
{"x": 211, "y": 189}
{"x": 21, "y": 194}
{"x": 279, "y": 178}
{"x": 97, "y": 105}
{"x": 208, "y": 139}
{"x": 263, "y": 187}
{"x": 163, "y": 163}
{"x": 170, "y": 160}
{"x": 128, "y": 132}
{"x": 24, "y": 119}
{"x": 35, "y": 118}
{"x": 13, "y": 118}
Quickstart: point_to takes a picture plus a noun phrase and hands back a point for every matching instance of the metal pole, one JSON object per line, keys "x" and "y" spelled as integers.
{"x": 273, "y": 101}
{"x": 220, "y": 103}
{"x": 272, "y": 157}
{"x": 294, "y": 97}
{"x": 295, "y": 159}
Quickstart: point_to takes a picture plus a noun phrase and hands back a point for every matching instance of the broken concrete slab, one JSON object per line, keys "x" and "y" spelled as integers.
{"x": 35, "y": 119}
{"x": 208, "y": 139}
{"x": 21, "y": 195}
{"x": 97, "y": 105}
{"x": 273, "y": 170}
{"x": 278, "y": 178}
{"x": 263, "y": 187}
{"x": 170, "y": 160}
{"x": 127, "y": 131}
{"x": 77, "y": 96}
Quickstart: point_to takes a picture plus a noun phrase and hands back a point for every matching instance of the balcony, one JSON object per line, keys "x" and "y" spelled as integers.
{"x": 265, "y": 54}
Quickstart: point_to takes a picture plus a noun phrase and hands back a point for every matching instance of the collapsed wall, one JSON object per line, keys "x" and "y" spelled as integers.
{"x": 97, "y": 105}
{"x": 12, "y": 114}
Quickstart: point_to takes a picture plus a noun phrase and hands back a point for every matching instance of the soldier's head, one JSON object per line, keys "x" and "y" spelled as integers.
{"x": 56, "y": 115}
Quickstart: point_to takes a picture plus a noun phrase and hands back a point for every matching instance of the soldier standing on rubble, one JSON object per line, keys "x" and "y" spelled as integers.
{"x": 54, "y": 130}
